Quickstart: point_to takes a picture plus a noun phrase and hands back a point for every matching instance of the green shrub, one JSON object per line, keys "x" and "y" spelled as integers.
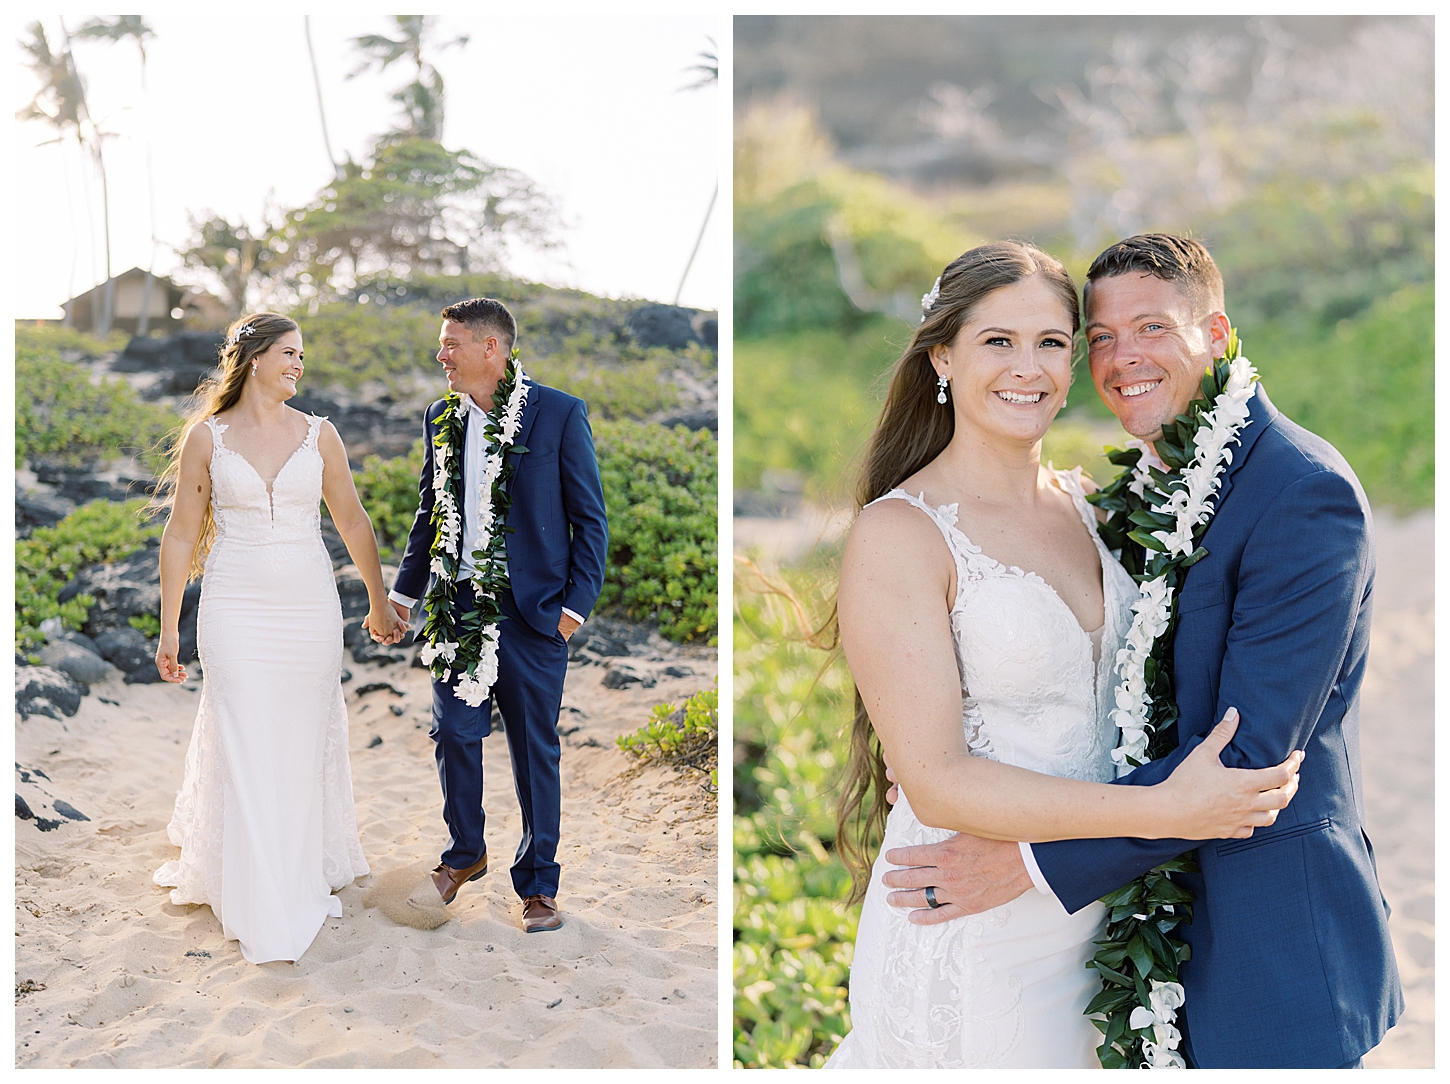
{"x": 660, "y": 497}
{"x": 49, "y": 559}
{"x": 570, "y": 340}
{"x": 349, "y": 344}
{"x": 691, "y": 741}
{"x": 60, "y": 414}
{"x": 149, "y": 624}
{"x": 660, "y": 492}
{"x": 1368, "y": 387}
{"x": 66, "y": 340}
{"x": 388, "y": 489}
{"x": 794, "y": 934}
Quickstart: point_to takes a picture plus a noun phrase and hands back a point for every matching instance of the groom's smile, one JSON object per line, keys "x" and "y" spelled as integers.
{"x": 1146, "y": 349}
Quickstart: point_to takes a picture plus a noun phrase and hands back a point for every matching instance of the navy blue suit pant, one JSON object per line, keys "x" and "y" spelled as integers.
{"x": 530, "y": 686}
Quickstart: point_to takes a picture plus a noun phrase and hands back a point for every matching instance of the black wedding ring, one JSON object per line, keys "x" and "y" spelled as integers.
{"x": 931, "y": 897}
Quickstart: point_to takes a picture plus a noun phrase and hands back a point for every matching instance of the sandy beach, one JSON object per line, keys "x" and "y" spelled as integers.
{"x": 110, "y": 974}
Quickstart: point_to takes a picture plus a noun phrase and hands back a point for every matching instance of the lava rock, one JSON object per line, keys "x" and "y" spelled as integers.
{"x": 82, "y": 665}
{"x": 352, "y": 592}
{"x": 694, "y": 418}
{"x": 626, "y": 632}
{"x": 80, "y": 639}
{"x": 145, "y": 674}
{"x": 707, "y": 327}
{"x": 679, "y": 671}
{"x": 670, "y": 326}
{"x": 377, "y": 687}
{"x": 24, "y": 812}
{"x": 336, "y": 547}
{"x": 123, "y": 589}
{"x": 125, "y": 647}
{"x": 606, "y": 646}
{"x": 369, "y": 650}
{"x": 39, "y": 509}
{"x": 185, "y": 358}
{"x": 70, "y": 812}
{"x": 375, "y": 742}
{"x": 353, "y": 632}
{"x": 39, "y": 690}
{"x": 618, "y": 677}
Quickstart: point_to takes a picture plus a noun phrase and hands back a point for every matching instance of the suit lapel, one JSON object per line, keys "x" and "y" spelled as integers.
{"x": 526, "y": 423}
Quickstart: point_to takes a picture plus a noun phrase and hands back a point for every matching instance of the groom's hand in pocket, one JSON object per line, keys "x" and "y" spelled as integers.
{"x": 968, "y": 874}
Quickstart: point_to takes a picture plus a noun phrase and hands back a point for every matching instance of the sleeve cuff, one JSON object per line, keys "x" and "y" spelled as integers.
{"x": 1035, "y": 872}
{"x": 572, "y": 614}
{"x": 402, "y": 599}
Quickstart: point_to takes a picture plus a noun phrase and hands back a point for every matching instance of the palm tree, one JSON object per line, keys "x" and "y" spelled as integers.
{"x": 60, "y": 102}
{"x": 709, "y": 74}
{"x": 422, "y": 99}
{"x": 337, "y": 173}
{"x": 135, "y": 28}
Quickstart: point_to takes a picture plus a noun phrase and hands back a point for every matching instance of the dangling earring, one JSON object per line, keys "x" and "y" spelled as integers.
{"x": 254, "y": 368}
{"x": 941, "y": 388}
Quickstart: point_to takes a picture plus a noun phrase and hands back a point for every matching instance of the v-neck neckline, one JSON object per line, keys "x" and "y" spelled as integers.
{"x": 221, "y": 427}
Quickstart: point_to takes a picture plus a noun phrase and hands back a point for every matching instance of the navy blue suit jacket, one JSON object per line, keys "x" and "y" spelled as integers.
{"x": 1292, "y": 963}
{"x": 560, "y": 536}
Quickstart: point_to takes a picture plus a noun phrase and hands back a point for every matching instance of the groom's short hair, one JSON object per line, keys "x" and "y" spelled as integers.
{"x": 482, "y": 315}
{"x": 1177, "y": 259}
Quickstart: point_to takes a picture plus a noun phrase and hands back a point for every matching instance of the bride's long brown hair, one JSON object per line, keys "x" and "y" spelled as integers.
{"x": 914, "y": 429}
{"x": 213, "y": 396}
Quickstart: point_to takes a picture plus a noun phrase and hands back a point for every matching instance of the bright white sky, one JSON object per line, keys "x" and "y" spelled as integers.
{"x": 588, "y": 105}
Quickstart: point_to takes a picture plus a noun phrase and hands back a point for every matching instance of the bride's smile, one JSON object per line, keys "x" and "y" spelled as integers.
{"x": 1010, "y": 365}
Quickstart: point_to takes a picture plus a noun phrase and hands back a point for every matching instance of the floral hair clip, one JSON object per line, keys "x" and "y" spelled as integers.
{"x": 245, "y": 329}
{"x": 928, "y": 300}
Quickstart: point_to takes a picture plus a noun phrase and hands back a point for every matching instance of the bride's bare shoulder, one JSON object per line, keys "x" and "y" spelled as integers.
{"x": 892, "y": 532}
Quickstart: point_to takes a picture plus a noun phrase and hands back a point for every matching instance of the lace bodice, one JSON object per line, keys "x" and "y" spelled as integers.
{"x": 1032, "y": 694}
{"x": 247, "y": 512}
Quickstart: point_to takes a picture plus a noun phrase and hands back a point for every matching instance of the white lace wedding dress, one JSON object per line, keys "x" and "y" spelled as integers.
{"x": 265, "y": 818}
{"x": 1006, "y": 988}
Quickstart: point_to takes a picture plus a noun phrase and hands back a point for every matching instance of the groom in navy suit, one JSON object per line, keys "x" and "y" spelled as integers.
{"x": 556, "y": 546}
{"x": 1292, "y": 965}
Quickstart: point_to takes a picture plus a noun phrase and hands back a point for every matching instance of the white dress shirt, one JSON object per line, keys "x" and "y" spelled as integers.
{"x": 475, "y": 447}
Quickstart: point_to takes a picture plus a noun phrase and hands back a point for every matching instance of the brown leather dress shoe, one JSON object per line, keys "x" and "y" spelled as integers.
{"x": 448, "y": 880}
{"x": 541, "y": 914}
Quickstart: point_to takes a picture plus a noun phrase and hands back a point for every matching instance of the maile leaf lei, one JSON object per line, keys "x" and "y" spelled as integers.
{"x": 470, "y": 643}
{"x": 1155, "y": 520}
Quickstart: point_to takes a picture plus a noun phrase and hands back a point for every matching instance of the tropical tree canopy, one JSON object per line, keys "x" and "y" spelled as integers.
{"x": 60, "y": 101}
{"x": 230, "y": 256}
{"x": 417, "y": 207}
{"x": 422, "y": 99}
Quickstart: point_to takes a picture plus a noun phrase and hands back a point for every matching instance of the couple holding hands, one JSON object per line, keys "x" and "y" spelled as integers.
{"x": 265, "y": 818}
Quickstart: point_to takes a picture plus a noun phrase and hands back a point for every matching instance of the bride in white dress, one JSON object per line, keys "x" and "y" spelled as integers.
{"x": 980, "y": 615}
{"x": 264, "y": 818}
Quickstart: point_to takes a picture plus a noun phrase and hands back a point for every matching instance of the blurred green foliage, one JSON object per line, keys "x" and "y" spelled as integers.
{"x": 49, "y": 559}
{"x": 60, "y": 414}
{"x": 660, "y": 493}
{"x": 1329, "y": 281}
{"x": 388, "y": 489}
{"x": 814, "y": 396}
{"x": 794, "y": 934}
{"x": 572, "y": 341}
